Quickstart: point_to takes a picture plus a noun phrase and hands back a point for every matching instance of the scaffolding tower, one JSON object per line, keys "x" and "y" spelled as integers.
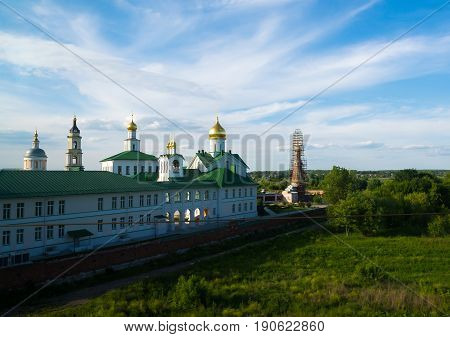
{"x": 298, "y": 162}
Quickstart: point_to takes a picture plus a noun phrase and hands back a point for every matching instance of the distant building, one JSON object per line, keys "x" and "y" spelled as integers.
{"x": 295, "y": 192}
{"x": 74, "y": 154}
{"x": 35, "y": 158}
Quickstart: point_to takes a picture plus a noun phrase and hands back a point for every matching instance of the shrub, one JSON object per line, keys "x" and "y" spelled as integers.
{"x": 189, "y": 293}
{"x": 439, "y": 225}
{"x": 371, "y": 271}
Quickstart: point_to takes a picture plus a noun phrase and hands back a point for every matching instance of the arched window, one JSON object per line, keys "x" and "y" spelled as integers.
{"x": 75, "y": 144}
{"x": 197, "y": 195}
{"x": 74, "y": 160}
{"x": 176, "y": 165}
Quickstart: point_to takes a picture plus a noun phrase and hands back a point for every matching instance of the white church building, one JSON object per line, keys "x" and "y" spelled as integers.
{"x": 136, "y": 196}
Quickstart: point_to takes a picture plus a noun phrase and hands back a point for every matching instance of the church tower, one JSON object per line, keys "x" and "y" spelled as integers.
{"x": 35, "y": 158}
{"x": 74, "y": 155}
{"x": 217, "y": 138}
{"x": 131, "y": 143}
{"x": 171, "y": 163}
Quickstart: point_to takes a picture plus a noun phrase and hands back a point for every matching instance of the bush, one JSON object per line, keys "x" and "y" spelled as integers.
{"x": 439, "y": 225}
{"x": 189, "y": 293}
{"x": 371, "y": 272}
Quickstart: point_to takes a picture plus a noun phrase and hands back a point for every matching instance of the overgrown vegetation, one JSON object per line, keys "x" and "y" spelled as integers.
{"x": 306, "y": 274}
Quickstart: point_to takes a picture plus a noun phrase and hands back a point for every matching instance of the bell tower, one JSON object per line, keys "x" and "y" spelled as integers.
{"x": 74, "y": 155}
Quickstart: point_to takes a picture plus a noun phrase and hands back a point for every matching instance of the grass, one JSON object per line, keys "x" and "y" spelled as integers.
{"x": 305, "y": 274}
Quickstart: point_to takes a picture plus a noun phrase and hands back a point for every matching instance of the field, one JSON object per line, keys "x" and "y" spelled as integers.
{"x": 304, "y": 274}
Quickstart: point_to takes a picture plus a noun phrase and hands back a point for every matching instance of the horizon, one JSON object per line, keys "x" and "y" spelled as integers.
{"x": 251, "y": 62}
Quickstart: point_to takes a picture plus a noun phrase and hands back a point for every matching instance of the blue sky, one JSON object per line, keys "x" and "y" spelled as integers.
{"x": 253, "y": 62}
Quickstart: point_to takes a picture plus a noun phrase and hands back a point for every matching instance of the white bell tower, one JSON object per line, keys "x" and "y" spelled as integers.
{"x": 74, "y": 154}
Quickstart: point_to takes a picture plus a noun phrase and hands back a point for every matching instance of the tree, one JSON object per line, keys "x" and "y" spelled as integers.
{"x": 338, "y": 183}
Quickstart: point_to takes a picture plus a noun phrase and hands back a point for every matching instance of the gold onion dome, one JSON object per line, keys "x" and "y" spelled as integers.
{"x": 171, "y": 144}
{"x": 132, "y": 126}
{"x": 217, "y": 131}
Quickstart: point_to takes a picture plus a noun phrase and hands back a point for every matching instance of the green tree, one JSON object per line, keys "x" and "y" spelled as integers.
{"x": 338, "y": 183}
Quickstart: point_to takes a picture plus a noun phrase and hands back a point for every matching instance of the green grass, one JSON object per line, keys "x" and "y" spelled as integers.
{"x": 305, "y": 274}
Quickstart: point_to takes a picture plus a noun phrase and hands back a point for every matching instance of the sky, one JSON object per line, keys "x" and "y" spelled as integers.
{"x": 177, "y": 64}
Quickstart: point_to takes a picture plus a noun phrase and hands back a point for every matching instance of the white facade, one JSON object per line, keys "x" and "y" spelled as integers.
{"x": 35, "y": 158}
{"x": 74, "y": 154}
{"x": 130, "y": 167}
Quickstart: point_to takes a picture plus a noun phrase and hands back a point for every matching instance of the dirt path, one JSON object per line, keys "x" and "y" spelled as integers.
{"x": 84, "y": 295}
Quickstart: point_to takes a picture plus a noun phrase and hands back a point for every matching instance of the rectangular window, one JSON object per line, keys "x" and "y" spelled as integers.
{"x": 155, "y": 199}
{"x": 99, "y": 226}
{"x": 127, "y": 170}
{"x": 239, "y": 193}
{"x": 130, "y": 201}
{"x": 6, "y": 238}
{"x": 226, "y": 194}
{"x": 167, "y": 197}
{"x": 122, "y": 222}
{"x": 135, "y": 170}
{"x": 149, "y": 199}
{"x": 19, "y": 236}
{"x": 239, "y": 208}
{"x": 233, "y": 208}
{"x": 142, "y": 169}
{"x": 188, "y": 196}
{"x": 214, "y": 211}
{"x": 245, "y": 192}
{"x": 245, "y": 206}
{"x": 141, "y": 200}
{"x": 251, "y": 205}
{"x": 6, "y": 211}
{"x": 234, "y": 193}
{"x": 100, "y": 204}
{"x": 49, "y": 232}
{"x": 62, "y": 207}
{"x": 38, "y": 208}
{"x": 119, "y": 170}
{"x": 214, "y": 195}
{"x": 148, "y": 218}
{"x": 19, "y": 210}
{"x": 177, "y": 197}
{"x": 197, "y": 195}
{"x": 141, "y": 219}
{"x": 251, "y": 192}
{"x": 149, "y": 169}
{"x": 206, "y": 195}
{"x": 122, "y": 202}
{"x": 130, "y": 221}
{"x": 114, "y": 224}
{"x": 38, "y": 234}
{"x": 114, "y": 203}
{"x": 50, "y": 206}
{"x": 61, "y": 231}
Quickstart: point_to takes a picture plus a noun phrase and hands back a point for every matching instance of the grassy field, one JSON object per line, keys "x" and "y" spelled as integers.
{"x": 305, "y": 274}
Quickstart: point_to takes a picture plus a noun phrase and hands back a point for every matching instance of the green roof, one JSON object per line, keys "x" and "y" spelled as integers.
{"x": 27, "y": 184}
{"x": 208, "y": 160}
{"x": 223, "y": 177}
{"x": 79, "y": 233}
{"x": 131, "y": 155}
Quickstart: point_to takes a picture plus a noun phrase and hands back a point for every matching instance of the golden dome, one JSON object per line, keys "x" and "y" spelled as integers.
{"x": 132, "y": 126}
{"x": 171, "y": 144}
{"x": 217, "y": 131}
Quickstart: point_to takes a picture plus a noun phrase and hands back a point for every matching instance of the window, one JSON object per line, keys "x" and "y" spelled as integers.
{"x": 206, "y": 195}
{"x": 135, "y": 170}
{"x": 122, "y": 222}
{"x": 240, "y": 193}
{"x": 50, "y": 207}
{"x": 239, "y": 208}
{"x": 130, "y": 201}
{"x": 142, "y": 169}
{"x": 49, "y": 232}
{"x": 245, "y": 206}
{"x": 19, "y": 236}
{"x": 197, "y": 195}
{"x": 149, "y": 169}
{"x": 233, "y": 208}
{"x": 251, "y": 192}
{"x": 60, "y": 231}
{"x": 38, "y": 208}
{"x": 245, "y": 192}
{"x": 99, "y": 226}
{"x": 141, "y": 200}
{"x": 19, "y": 210}
{"x": 149, "y": 199}
{"x": 122, "y": 202}
{"x": 214, "y": 211}
{"x": 62, "y": 206}
{"x": 148, "y": 219}
{"x": 127, "y": 172}
{"x": 214, "y": 195}
{"x": 155, "y": 199}
{"x": 114, "y": 203}
{"x": 226, "y": 194}
{"x": 5, "y": 238}
{"x": 38, "y": 234}
{"x": 100, "y": 204}
{"x": 167, "y": 197}
{"x": 234, "y": 193}
{"x": 187, "y": 196}
{"x": 141, "y": 219}
{"x": 114, "y": 224}
{"x": 130, "y": 221}
{"x": 119, "y": 170}
{"x": 177, "y": 197}
{"x": 251, "y": 205}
